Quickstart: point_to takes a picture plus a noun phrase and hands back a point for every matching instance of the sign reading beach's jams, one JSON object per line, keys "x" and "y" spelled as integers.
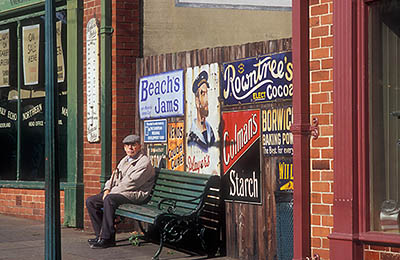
{"x": 161, "y": 95}
{"x": 276, "y": 136}
{"x": 241, "y": 180}
{"x": 259, "y": 79}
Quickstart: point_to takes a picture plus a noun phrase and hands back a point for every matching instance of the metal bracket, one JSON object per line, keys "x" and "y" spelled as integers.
{"x": 314, "y": 128}
{"x": 107, "y": 30}
{"x": 395, "y": 114}
{"x": 315, "y": 257}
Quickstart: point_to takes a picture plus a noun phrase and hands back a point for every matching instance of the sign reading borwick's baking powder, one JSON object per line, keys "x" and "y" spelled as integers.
{"x": 161, "y": 95}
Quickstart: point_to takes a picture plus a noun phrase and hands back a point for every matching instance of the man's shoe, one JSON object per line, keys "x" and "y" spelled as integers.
{"x": 93, "y": 241}
{"x": 103, "y": 243}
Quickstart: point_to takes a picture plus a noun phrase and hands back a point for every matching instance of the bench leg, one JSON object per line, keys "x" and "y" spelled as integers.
{"x": 162, "y": 238}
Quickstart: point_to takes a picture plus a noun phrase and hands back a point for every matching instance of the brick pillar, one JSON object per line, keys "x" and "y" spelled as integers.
{"x": 91, "y": 151}
{"x": 321, "y": 107}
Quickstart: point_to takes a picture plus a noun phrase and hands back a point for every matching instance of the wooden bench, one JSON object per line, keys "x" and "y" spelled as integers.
{"x": 182, "y": 204}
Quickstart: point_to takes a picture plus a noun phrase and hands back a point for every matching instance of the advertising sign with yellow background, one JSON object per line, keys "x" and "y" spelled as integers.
{"x": 285, "y": 175}
{"x": 176, "y": 155}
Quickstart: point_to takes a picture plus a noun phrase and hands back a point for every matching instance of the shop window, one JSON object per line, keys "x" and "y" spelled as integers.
{"x": 384, "y": 111}
{"x": 8, "y": 101}
{"x": 23, "y": 101}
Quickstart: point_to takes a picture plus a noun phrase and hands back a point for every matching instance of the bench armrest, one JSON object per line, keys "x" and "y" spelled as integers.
{"x": 172, "y": 207}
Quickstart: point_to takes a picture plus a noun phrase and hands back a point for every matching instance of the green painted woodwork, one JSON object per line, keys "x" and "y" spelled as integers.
{"x": 106, "y": 90}
{"x": 31, "y": 185}
{"x": 52, "y": 178}
{"x": 74, "y": 189}
{"x": 73, "y": 204}
{"x": 19, "y": 82}
{"x": 24, "y": 16}
{"x": 10, "y": 6}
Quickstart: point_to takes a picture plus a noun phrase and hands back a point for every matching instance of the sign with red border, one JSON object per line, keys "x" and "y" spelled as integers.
{"x": 241, "y": 180}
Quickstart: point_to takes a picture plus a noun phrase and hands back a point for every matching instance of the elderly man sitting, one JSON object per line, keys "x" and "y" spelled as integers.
{"x": 130, "y": 182}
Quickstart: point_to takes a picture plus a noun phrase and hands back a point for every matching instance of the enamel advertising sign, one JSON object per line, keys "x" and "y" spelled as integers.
{"x": 241, "y": 180}
{"x": 277, "y": 139}
{"x": 259, "y": 79}
{"x": 161, "y": 95}
{"x": 176, "y": 153}
{"x": 285, "y": 175}
{"x": 155, "y": 131}
{"x": 202, "y": 119}
{"x": 157, "y": 154}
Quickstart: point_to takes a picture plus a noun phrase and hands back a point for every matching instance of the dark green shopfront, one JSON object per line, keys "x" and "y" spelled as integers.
{"x": 22, "y": 108}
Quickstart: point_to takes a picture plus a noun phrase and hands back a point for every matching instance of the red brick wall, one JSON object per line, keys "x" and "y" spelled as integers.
{"x": 91, "y": 151}
{"x": 26, "y": 203}
{"x": 125, "y": 50}
{"x": 381, "y": 253}
{"x": 321, "y": 107}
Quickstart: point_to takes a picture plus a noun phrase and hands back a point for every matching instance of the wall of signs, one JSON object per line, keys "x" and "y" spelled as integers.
{"x": 226, "y": 119}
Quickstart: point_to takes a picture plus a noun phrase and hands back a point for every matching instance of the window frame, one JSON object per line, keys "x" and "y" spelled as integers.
{"x": 20, "y": 17}
{"x": 366, "y": 234}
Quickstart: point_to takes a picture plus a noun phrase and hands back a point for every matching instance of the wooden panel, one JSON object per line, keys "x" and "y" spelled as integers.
{"x": 250, "y": 230}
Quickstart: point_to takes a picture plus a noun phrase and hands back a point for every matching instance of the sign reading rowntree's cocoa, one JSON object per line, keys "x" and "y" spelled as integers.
{"x": 241, "y": 180}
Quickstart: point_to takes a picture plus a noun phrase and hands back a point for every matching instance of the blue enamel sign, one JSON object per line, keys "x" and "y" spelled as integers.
{"x": 259, "y": 79}
{"x": 161, "y": 95}
{"x": 155, "y": 131}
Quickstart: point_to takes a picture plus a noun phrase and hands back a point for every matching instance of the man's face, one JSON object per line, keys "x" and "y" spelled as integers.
{"x": 202, "y": 100}
{"x": 132, "y": 149}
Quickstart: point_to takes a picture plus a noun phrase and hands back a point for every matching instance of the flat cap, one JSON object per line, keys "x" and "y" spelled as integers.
{"x": 201, "y": 79}
{"x": 131, "y": 139}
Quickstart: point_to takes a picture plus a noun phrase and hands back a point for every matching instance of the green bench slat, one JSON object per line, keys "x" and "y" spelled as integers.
{"x": 184, "y": 194}
{"x": 174, "y": 195}
{"x": 179, "y": 204}
{"x": 145, "y": 210}
{"x": 166, "y": 183}
{"x": 189, "y": 175}
{"x": 179, "y": 179}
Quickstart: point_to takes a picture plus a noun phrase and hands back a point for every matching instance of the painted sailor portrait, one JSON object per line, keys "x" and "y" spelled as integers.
{"x": 201, "y": 133}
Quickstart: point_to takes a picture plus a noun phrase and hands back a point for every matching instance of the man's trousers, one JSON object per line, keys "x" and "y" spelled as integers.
{"x": 102, "y": 213}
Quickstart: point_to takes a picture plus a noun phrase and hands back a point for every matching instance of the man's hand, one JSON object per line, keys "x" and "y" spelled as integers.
{"x": 106, "y": 192}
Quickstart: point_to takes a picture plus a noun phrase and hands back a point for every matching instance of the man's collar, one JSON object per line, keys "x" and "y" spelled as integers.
{"x": 135, "y": 157}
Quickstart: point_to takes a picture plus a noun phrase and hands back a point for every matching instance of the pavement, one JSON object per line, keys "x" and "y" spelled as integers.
{"x": 24, "y": 239}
